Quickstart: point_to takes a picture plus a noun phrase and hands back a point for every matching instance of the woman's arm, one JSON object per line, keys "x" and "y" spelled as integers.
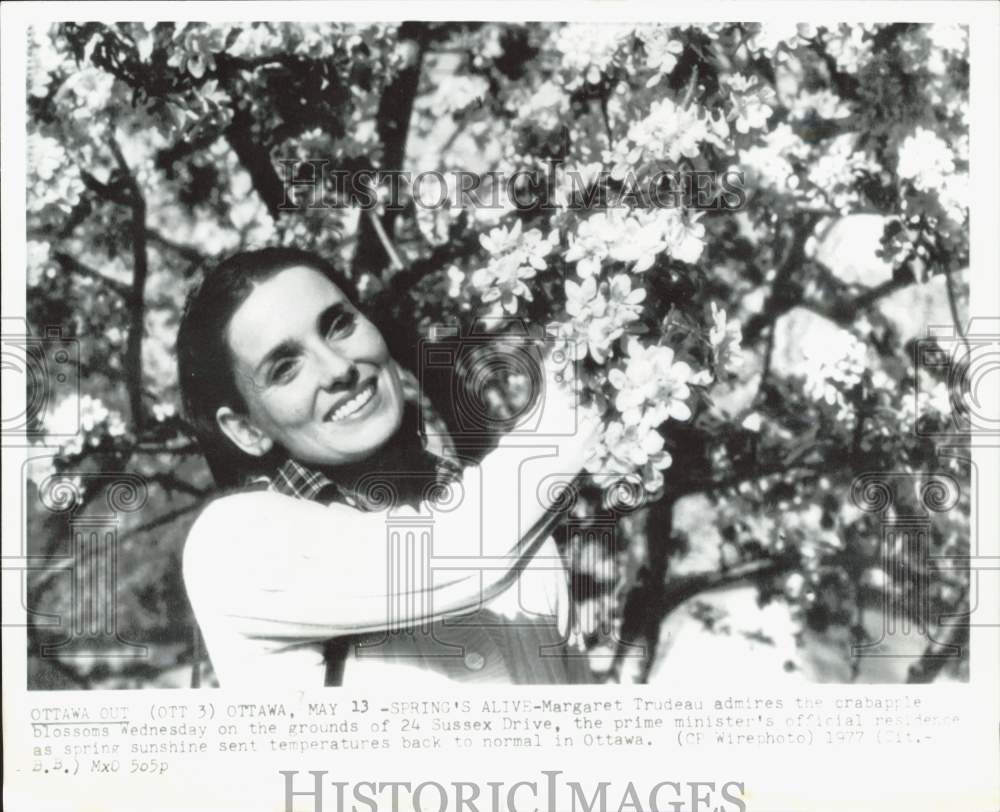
{"x": 284, "y": 567}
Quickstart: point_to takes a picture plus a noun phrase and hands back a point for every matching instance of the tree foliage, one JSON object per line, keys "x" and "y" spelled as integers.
{"x": 156, "y": 149}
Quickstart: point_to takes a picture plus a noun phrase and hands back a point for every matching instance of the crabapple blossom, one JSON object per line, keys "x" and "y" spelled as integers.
{"x": 620, "y": 238}
{"x": 849, "y": 45}
{"x": 652, "y": 386}
{"x": 838, "y": 368}
{"x": 753, "y": 103}
{"x": 600, "y": 313}
{"x": 662, "y": 51}
{"x": 195, "y": 46}
{"x": 770, "y": 36}
{"x": 668, "y": 133}
{"x": 725, "y": 336}
{"x": 589, "y": 49}
{"x": 515, "y": 257}
{"x": 624, "y": 450}
{"x": 925, "y": 159}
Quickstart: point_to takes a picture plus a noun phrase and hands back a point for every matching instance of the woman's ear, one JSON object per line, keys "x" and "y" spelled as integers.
{"x": 246, "y": 436}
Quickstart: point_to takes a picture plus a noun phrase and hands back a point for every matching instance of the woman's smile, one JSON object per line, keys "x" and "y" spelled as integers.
{"x": 353, "y": 407}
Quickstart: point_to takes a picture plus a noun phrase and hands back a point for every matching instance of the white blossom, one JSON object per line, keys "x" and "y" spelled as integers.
{"x": 652, "y": 386}
{"x": 837, "y": 367}
{"x": 625, "y": 450}
{"x": 546, "y": 108}
{"x": 848, "y": 45}
{"x": 457, "y": 94}
{"x": 588, "y": 49}
{"x": 753, "y": 103}
{"x": 725, "y": 336}
{"x": 925, "y": 159}
{"x": 515, "y": 257}
{"x": 600, "y": 313}
{"x": 770, "y": 36}
{"x": 771, "y": 161}
{"x": 834, "y": 173}
{"x": 822, "y": 103}
{"x": 662, "y": 51}
{"x": 163, "y": 411}
{"x": 668, "y": 133}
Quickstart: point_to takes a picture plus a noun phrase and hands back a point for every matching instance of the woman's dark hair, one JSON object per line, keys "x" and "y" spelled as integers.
{"x": 204, "y": 361}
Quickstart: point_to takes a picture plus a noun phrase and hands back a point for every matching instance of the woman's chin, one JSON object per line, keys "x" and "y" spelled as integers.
{"x": 353, "y": 441}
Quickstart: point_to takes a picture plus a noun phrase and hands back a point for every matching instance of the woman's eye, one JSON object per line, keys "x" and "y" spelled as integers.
{"x": 341, "y": 324}
{"x": 283, "y": 371}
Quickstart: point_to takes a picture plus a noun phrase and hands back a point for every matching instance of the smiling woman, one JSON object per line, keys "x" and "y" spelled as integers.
{"x": 319, "y": 381}
{"x": 300, "y": 575}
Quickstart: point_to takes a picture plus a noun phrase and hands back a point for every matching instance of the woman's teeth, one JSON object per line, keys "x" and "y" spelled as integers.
{"x": 354, "y": 404}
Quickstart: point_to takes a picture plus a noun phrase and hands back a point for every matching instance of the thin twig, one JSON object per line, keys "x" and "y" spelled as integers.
{"x": 72, "y": 264}
{"x": 953, "y": 305}
{"x": 140, "y": 271}
{"x": 607, "y": 122}
{"x": 390, "y": 251}
{"x": 689, "y": 91}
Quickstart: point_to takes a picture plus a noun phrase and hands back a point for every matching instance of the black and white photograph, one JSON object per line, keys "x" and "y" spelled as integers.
{"x": 449, "y": 355}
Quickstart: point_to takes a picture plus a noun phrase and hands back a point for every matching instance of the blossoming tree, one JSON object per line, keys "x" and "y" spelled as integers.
{"x": 660, "y": 199}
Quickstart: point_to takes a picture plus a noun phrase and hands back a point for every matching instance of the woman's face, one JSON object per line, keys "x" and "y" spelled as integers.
{"x": 315, "y": 374}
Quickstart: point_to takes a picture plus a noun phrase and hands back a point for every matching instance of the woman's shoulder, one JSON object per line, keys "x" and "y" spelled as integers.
{"x": 243, "y": 517}
{"x": 255, "y": 506}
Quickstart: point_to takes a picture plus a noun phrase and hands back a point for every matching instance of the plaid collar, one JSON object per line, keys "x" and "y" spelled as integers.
{"x": 295, "y": 479}
{"x": 292, "y": 478}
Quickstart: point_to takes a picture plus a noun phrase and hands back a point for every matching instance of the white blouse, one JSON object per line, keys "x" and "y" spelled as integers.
{"x": 252, "y": 603}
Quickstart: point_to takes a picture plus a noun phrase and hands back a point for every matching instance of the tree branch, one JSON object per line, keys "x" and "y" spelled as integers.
{"x": 392, "y": 123}
{"x": 72, "y": 265}
{"x": 937, "y": 655}
{"x": 953, "y": 306}
{"x": 140, "y": 270}
{"x": 394, "y": 261}
{"x": 186, "y": 252}
{"x": 653, "y": 600}
{"x": 171, "y": 482}
{"x": 844, "y": 310}
{"x": 256, "y": 159}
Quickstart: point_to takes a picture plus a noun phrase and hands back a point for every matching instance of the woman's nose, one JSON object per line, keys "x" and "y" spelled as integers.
{"x": 335, "y": 370}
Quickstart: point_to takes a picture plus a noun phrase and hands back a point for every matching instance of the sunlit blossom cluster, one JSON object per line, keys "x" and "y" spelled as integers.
{"x": 460, "y": 93}
{"x": 833, "y": 175}
{"x": 54, "y": 181}
{"x": 635, "y": 238}
{"x": 662, "y": 48}
{"x": 74, "y": 423}
{"x": 925, "y": 159}
{"x": 600, "y": 313}
{"x": 928, "y": 162}
{"x": 752, "y": 101}
{"x": 771, "y": 36}
{"x": 652, "y": 386}
{"x": 770, "y": 161}
{"x": 545, "y": 108}
{"x": 515, "y": 257}
{"x": 588, "y": 50}
{"x": 668, "y": 133}
{"x": 836, "y": 369}
{"x": 850, "y": 45}
{"x": 627, "y": 450}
